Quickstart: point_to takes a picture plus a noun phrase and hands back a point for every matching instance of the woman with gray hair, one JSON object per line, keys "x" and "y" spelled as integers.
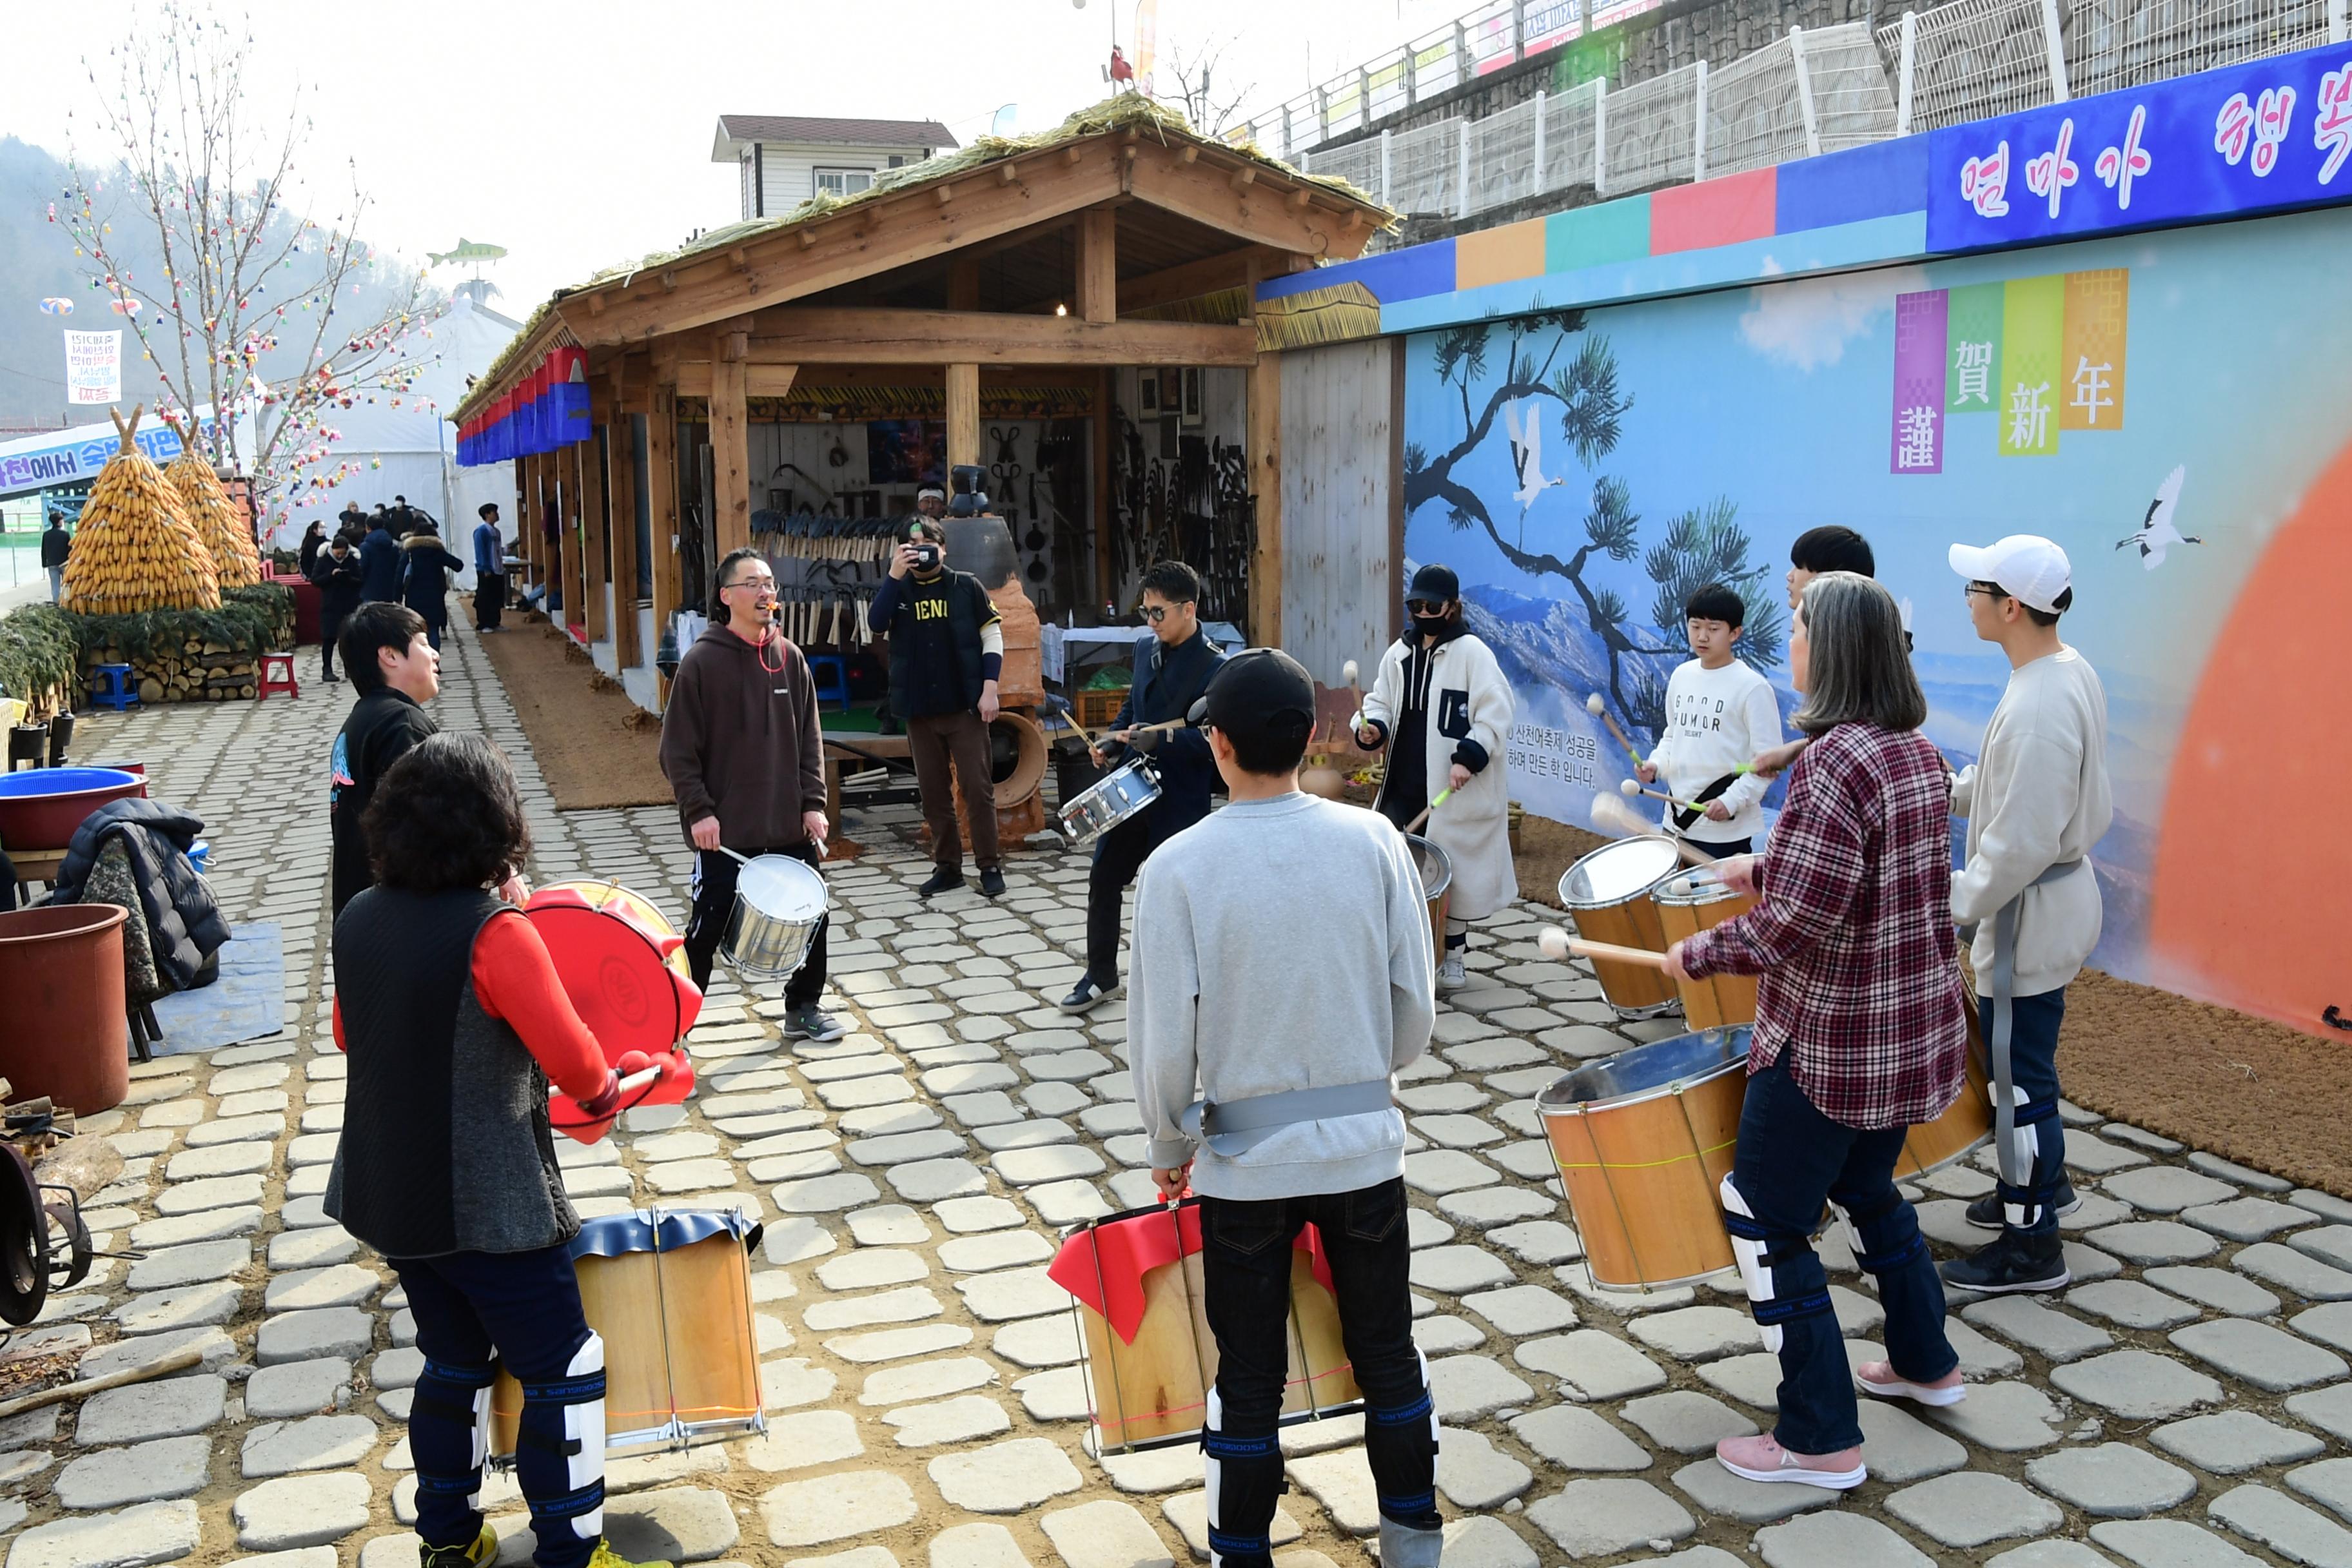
{"x": 1860, "y": 1031}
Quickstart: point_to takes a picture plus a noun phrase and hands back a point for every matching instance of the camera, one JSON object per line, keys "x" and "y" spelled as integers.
{"x": 926, "y": 557}
{"x": 968, "y": 499}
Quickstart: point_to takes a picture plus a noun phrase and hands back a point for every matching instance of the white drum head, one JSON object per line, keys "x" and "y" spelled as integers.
{"x": 1616, "y": 872}
{"x": 782, "y": 887}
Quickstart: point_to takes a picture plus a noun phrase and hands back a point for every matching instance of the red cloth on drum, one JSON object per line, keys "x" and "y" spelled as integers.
{"x": 515, "y": 980}
{"x": 1104, "y": 1264}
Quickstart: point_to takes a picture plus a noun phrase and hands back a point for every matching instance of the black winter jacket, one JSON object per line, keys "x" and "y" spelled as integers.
{"x": 339, "y": 583}
{"x": 182, "y": 916}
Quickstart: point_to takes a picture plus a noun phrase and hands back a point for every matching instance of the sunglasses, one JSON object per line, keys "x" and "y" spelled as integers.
{"x": 1155, "y": 614}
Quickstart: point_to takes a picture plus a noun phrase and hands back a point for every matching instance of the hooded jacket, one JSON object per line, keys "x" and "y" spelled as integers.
{"x": 424, "y": 589}
{"x": 380, "y": 565}
{"x": 742, "y": 739}
{"x": 338, "y": 581}
{"x": 182, "y": 916}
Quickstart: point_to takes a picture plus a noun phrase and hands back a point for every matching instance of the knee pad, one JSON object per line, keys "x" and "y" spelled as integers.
{"x": 1245, "y": 1482}
{"x": 1867, "y": 1233}
{"x": 2037, "y": 1137}
{"x": 1760, "y": 1253}
{"x": 449, "y": 1427}
{"x": 560, "y": 1446}
{"x": 1412, "y": 1429}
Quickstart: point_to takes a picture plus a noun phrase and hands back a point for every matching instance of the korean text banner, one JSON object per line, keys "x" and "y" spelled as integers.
{"x": 2262, "y": 137}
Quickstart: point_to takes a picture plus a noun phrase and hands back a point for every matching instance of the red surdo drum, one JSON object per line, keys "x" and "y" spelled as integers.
{"x": 622, "y": 966}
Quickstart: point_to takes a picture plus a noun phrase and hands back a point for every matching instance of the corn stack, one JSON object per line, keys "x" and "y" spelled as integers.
{"x": 215, "y": 519}
{"x": 135, "y": 549}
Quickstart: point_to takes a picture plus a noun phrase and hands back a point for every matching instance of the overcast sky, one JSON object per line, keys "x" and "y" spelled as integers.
{"x": 578, "y": 135}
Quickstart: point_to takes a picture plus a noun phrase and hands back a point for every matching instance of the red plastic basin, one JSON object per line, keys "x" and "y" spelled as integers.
{"x": 41, "y": 807}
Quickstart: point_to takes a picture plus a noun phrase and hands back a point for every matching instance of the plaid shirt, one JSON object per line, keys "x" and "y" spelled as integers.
{"x": 1852, "y": 934}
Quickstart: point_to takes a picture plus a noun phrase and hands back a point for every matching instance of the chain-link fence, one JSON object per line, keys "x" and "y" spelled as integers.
{"x": 2113, "y": 44}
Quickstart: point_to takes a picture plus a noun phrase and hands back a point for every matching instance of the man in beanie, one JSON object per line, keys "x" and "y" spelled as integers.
{"x": 2036, "y": 801}
{"x": 1293, "y": 1011}
{"x": 1442, "y": 708}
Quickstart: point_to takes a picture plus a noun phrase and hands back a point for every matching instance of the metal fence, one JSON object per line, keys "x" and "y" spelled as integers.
{"x": 1810, "y": 91}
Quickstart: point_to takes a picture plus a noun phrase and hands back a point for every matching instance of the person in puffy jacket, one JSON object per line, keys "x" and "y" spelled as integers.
{"x": 425, "y": 585}
{"x": 381, "y": 564}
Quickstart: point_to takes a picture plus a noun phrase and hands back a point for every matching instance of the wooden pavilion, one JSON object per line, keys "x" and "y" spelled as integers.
{"x": 1015, "y": 275}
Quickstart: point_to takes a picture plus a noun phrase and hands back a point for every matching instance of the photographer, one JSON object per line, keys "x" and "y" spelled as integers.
{"x": 947, "y": 648}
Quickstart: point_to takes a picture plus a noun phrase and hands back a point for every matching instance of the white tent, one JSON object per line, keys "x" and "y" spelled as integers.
{"x": 410, "y": 450}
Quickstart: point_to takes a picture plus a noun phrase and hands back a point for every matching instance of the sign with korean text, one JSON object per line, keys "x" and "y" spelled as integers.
{"x": 2271, "y": 134}
{"x": 94, "y": 367}
{"x": 2041, "y": 355}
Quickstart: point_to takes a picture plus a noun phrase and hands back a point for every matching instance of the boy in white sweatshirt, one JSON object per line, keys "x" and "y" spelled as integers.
{"x": 1281, "y": 978}
{"x": 2036, "y": 801}
{"x": 1719, "y": 713}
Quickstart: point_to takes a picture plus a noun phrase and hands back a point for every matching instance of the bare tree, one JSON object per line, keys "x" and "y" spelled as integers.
{"x": 259, "y": 309}
{"x": 1190, "y": 80}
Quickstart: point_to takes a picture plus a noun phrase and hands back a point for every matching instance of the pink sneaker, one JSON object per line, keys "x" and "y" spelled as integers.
{"x": 1879, "y": 1377}
{"x": 1761, "y": 1459}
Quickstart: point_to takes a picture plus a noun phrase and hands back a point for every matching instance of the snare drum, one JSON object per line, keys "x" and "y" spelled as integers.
{"x": 1642, "y": 1140}
{"x": 1969, "y": 1122}
{"x": 780, "y": 901}
{"x": 1610, "y": 893}
{"x": 1123, "y": 793}
{"x": 1149, "y": 1357}
{"x": 1688, "y": 904}
{"x": 670, "y": 1292}
{"x": 1436, "y": 869}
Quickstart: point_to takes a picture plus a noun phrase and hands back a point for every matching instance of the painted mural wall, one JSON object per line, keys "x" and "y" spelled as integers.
{"x": 2175, "y": 408}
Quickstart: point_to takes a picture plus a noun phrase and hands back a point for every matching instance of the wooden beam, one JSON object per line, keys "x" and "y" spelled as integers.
{"x": 770, "y": 380}
{"x": 1265, "y": 490}
{"x": 879, "y": 236}
{"x": 874, "y": 337}
{"x": 1098, "y": 291}
{"x": 620, "y": 455}
{"x": 963, "y": 415}
{"x": 1104, "y": 586}
{"x": 661, "y": 506}
{"x": 1206, "y": 276}
{"x": 567, "y": 549}
{"x": 730, "y": 456}
{"x": 595, "y": 549}
{"x": 1256, "y": 209}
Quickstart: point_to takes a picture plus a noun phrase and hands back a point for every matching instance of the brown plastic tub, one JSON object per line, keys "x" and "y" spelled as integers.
{"x": 66, "y": 1036}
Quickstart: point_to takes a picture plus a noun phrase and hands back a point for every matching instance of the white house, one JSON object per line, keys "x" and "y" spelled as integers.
{"x": 784, "y": 161}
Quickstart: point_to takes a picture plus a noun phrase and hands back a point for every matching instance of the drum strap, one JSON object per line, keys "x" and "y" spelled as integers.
{"x": 2004, "y": 977}
{"x": 1238, "y": 1126}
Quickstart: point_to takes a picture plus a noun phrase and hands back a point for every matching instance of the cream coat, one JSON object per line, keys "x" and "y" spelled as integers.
{"x": 1469, "y": 698}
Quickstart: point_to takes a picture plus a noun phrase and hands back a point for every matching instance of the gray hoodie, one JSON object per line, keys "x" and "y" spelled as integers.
{"x": 1280, "y": 945}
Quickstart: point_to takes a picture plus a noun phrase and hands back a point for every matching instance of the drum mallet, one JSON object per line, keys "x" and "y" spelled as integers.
{"x": 1414, "y": 826}
{"x": 1593, "y": 705}
{"x": 1559, "y": 945}
{"x": 1633, "y": 787}
{"x": 1611, "y": 814}
{"x": 1348, "y": 673}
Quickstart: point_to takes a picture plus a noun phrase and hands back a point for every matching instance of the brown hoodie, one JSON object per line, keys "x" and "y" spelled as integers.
{"x": 742, "y": 739}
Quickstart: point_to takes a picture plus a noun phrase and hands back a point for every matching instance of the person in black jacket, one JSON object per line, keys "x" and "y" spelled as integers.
{"x": 425, "y": 585}
{"x": 336, "y": 570}
{"x": 1172, "y": 667}
{"x": 947, "y": 650}
{"x": 380, "y": 564}
{"x": 57, "y": 545}
{"x": 314, "y": 539}
{"x": 392, "y": 665}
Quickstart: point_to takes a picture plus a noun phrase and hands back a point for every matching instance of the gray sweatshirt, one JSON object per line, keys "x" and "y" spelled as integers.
{"x": 2037, "y": 795}
{"x": 1280, "y": 945}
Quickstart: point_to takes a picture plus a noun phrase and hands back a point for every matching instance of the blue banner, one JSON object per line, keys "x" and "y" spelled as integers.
{"x": 2262, "y": 137}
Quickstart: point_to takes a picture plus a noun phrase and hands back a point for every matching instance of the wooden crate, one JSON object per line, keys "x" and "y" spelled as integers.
{"x": 1095, "y": 709}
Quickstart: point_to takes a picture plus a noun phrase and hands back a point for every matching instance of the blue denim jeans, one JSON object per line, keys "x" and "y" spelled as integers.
{"x": 2034, "y": 1067}
{"x": 1792, "y": 1159}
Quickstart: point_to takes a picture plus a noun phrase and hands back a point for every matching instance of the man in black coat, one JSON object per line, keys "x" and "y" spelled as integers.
{"x": 393, "y": 666}
{"x": 336, "y": 569}
{"x": 56, "y": 545}
{"x": 381, "y": 564}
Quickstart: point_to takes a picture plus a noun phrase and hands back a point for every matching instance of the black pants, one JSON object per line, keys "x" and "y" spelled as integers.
{"x": 1245, "y": 1264}
{"x": 489, "y": 598}
{"x": 714, "y": 900}
{"x": 330, "y": 626}
{"x": 1119, "y": 856}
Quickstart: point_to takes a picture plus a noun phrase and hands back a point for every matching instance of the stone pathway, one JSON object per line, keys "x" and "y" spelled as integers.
{"x": 2186, "y": 1404}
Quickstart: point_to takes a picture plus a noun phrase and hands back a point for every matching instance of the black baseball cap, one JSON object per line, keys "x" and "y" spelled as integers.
{"x": 1260, "y": 692}
{"x": 1433, "y": 584}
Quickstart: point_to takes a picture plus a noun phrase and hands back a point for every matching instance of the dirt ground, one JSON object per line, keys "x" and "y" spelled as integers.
{"x": 2243, "y": 1088}
{"x": 594, "y": 747}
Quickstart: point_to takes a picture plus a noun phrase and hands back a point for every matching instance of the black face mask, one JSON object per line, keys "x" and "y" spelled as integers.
{"x": 1425, "y": 622}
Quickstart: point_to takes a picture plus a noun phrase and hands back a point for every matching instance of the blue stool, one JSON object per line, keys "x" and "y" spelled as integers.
{"x": 110, "y": 687}
{"x": 831, "y": 677}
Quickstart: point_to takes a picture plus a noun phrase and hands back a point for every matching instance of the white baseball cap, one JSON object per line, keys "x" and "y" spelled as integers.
{"x": 2026, "y": 566}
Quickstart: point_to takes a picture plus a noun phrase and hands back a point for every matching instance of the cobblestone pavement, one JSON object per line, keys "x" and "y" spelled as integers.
{"x": 2184, "y": 1404}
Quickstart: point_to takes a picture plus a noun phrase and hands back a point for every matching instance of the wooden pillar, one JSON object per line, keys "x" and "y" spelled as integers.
{"x": 661, "y": 501}
{"x": 963, "y": 283}
{"x": 731, "y": 442}
{"x": 567, "y": 549}
{"x": 1265, "y": 490}
{"x": 595, "y": 568}
{"x": 527, "y": 520}
{"x": 963, "y": 415}
{"x": 621, "y": 449}
{"x": 1106, "y": 513}
{"x": 1098, "y": 264}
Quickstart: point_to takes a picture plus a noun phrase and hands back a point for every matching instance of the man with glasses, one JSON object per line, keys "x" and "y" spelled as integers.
{"x": 1172, "y": 667}
{"x": 744, "y": 752}
{"x": 947, "y": 650}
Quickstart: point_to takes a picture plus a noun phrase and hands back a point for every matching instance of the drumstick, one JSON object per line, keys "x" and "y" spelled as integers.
{"x": 1633, "y": 787}
{"x": 1611, "y": 814}
{"x": 1558, "y": 944}
{"x": 1593, "y": 704}
{"x": 1349, "y": 672}
{"x": 1414, "y": 826}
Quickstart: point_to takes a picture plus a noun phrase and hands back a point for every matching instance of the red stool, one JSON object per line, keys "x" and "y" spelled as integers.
{"x": 277, "y": 675}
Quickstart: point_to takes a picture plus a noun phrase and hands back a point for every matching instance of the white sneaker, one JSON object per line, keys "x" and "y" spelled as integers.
{"x": 1451, "y": 975}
